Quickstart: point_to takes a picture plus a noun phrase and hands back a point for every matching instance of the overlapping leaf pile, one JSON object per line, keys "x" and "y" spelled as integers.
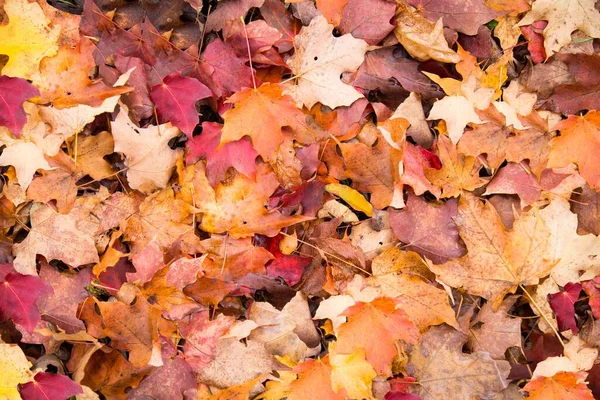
{"x": 365, "y": 199}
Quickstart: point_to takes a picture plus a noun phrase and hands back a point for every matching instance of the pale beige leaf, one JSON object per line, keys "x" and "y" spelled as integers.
{"x": 318, "y": 62}
{"x": 149, "y": 159}
{"x": 457, "y": 111}
{"x": 564, "y": 17}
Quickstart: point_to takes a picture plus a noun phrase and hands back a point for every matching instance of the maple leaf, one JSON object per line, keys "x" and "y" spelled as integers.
{"x": 386, "y": 325}
{"x": 372, "y": 169}
{"x": 368, "y": 20}
{"x": 494, "y": 332}
{"x": 309, "y": 376}
{"x": 396, "y": 276}
{"x": 564, "y": 17}
{"x": 132, "y": 328}
{"x": 60, "y": 307}
{"x": 49, "y": 386}
{"x": 577, "y": 255}
{"x": 465, "y": 18}
{"x": 209, "y": 291}
{"x": 161, "y": 217}
{"x": 421, "y": 38}
{"x": 149, "y": 159}
{"x": 18, "y": 294}
{"x": 440, "y": 366}
{"x": 563, "y": 385}
{"x": 518, "y": 256}
{"x": 563, "y": 305}
{"x": 56, "y": 237}
{"x": 352, "y": 373}
{"x": 428, "y": 228}
{"x": 27, "y": 38}
{"x": 318, "y": 62}
{"x": 239, "y": 154}
{"x": 90, "y": 155}
{"x": 175, "y": 99}
{"x": 289, "y": 267}
{"x": 201, "y": 336}
{"x": 63, "y": 79}
{"x": 458, "y": 172}
{"x": 238, "y": 208}
{"x": 17, "y": 153}
{"x": 14, "y": 367}
{"x": 222, "y": 70}
{"x": 174, "y": 378}
{"x": 13, "y": 93}
{"x": 261, "y": 114}
{"x": 579, "y": 142}
{"x": 456, "y": 121}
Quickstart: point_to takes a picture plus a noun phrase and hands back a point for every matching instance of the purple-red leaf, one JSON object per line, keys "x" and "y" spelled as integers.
{"x": 239, "y": 154}
{"x": 49, "y": 387}
{"x": 13, "y": 93}
{"x": 563, "y": 305}
{"x": 175, "y": 101}
{"x": 18, "y": 295}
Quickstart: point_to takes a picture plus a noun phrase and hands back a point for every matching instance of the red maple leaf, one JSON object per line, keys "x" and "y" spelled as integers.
{"x": 18, "y": 295}
{"x": 13, "y": 93}
{"x": 47, "y": 386}
{"x": 175, "y": 99}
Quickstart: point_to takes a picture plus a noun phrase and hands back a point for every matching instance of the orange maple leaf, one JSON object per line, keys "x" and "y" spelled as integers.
{"x": 563, "y": 385}
{"x": 376, "y": 326}
{"x": 579, "y": 142}
{"x": 261, "y": 114}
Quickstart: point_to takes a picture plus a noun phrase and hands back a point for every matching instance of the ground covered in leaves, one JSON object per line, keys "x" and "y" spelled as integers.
{"x": 345, "y": 199}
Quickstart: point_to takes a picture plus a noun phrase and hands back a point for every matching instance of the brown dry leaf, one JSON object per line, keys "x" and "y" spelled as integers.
{"x": 497, "y": 260}
{"x": 494, "y": 332}
{"x": 440, "y": 367}
{"x": 132, "y": 328}
{"x": 458, "y": 172}
{"x": 372, "y": 169}
{"x": 161, "y": 217}
{"x": 226, "y": 370}
{"x": 90, "y": 155}
{"x": 56, "y": 237}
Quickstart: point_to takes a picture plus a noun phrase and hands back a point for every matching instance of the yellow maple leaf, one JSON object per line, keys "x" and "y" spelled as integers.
{"x": 27, "y": 38}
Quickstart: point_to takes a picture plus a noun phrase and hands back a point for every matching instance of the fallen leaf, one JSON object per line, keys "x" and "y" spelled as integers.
{"x": 386, "y": 325}
{"x": 318, "y": 62}
{"x": 13, "y": 93}
{"x": 148, "y": 157}
{"x": 15, "y": 370}
{"x": 563, "y": 18}
{"x": 49, "y": 386}
{"x": 19, "y": 294}
{"x": 563, "y": 385}
{"x": 440, "y": 366}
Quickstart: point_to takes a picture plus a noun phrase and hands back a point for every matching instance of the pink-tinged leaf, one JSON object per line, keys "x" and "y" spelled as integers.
{"x": 535, "y": 40}
{"x": 592, "y": 289}
{"x": 515, "y": 179}
{"x": 13, "y": 93}
{"x": 428, "y": 228}
{"x": 238, "y": 154}
{"x": 175, "y": 101}
{"x": 60, "y": 308}
{"x": 146, "y": 262}
{"x": 47, "y": 386}
{"x": 369, "y": 20}
{"x": 184, "y": 271}
{"x": 563, "y": 305}
{"x": 201, "y": 336}
{"x": 276, "y": 15}
{"x": 415, "y": 160}
{"x": 223, "y": 71}
{"x": 18, "y": 295}
{"x": 288, "y": 267}
{"x": 228, "y": 10}
{"x": 167, "y": 382}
